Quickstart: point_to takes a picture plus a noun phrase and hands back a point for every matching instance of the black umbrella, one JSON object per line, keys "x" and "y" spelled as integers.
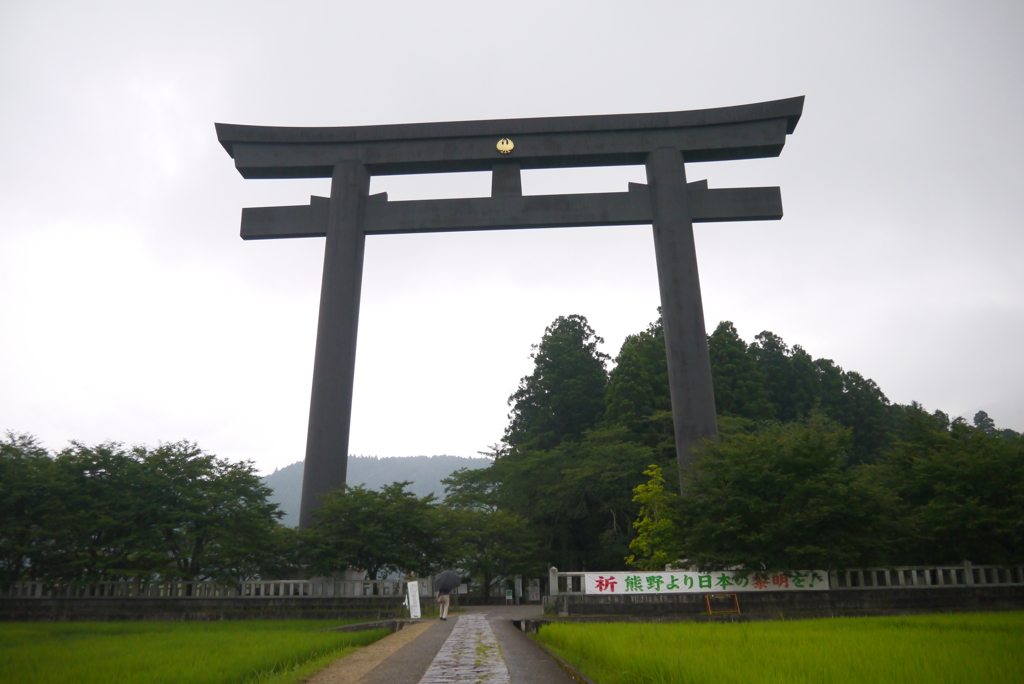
{"x": 447, "y": 581}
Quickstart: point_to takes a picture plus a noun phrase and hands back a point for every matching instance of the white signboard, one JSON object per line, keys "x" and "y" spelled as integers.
{"x": 413, "y": 599}
{"x": 685, "y": 582}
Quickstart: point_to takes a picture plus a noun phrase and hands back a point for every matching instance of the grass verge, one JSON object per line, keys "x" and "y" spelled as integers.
{"x": 932, "y": 649}
{"x": 233, "y": 652}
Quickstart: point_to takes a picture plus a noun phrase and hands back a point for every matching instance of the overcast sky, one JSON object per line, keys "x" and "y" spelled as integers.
{"x": 131, "y": 310}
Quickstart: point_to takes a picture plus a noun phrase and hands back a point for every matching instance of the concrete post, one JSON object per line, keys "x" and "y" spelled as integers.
{"x": 682, "y": 311}
{"x": 552, "y": 581}
{"x": 330, "y": 406}
{"x": 969, "y": 573}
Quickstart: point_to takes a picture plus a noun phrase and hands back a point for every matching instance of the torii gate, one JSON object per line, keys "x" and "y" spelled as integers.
{"x": 350, "y": 155}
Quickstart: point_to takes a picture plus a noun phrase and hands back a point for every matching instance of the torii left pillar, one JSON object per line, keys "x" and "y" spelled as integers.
{"x": 330, "y": 404}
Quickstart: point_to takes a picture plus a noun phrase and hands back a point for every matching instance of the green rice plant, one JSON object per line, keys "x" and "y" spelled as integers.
{"x": 925, "y": 649}
{"x": 231, "y": 652}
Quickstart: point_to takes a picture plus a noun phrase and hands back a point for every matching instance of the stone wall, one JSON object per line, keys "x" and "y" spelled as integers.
{"x": 284, "y": 608}
{"x": 784, "y": 604}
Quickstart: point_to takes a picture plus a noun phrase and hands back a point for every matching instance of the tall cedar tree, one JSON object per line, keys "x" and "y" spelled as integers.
{"x": 638, "y": 384}
{"x": 738, "y": 381}
{"x": 789, "y": 375}
{"x": 577, "y": 497}
{"x": 797, "y": 384}
{"x": 563, "y": 396}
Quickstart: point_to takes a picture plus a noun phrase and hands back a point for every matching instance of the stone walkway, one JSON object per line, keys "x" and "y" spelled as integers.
{"x": 470, "y": 655}
{"x": 478, "y": 646}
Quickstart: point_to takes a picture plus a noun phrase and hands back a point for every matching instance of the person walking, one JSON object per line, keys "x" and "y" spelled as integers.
{"x": 444, "y": 584}
{"x": 443, "y": 600}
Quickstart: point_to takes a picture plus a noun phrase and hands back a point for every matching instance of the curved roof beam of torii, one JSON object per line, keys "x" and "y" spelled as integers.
{"x": 740, "y": 132}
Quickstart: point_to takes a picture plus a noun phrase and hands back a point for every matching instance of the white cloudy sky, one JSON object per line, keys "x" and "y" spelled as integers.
{"x": 131, "y": 310}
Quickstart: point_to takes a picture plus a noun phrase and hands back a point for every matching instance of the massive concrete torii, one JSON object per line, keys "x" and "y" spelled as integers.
{"x": 350, "y": 155}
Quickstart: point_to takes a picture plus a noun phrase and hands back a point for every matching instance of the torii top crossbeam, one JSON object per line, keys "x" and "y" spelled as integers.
{"x": 743, "y": 132}
{"x": 662, "y": 141}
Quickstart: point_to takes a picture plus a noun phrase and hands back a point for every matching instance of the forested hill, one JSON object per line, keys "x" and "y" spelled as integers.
{"x": 581, "y": 440}
{"x": 425, "y": 473}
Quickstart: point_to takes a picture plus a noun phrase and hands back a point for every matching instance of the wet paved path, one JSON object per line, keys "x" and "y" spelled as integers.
{"x": 478, "y": 646}
{"x": 470, "y": 655}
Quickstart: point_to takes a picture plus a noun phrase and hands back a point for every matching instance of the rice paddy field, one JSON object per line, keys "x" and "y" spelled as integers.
{"x": 932, "y": 649}
{"x": 231, "y": 652}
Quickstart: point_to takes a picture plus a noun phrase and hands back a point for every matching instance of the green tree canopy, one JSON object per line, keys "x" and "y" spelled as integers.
{"x": 738, "y": 381}
{"x": 101, "y": 516}
{"x": 657, "y": 539}
{"x": 638, "y": 384}
{"x": 491, "y": 545}
{"x": 860, "y": 405}
{"x": 563, "y": 396}
{"x": 782, "y": 498}
{"x": 790, "y": 376}
{"x": 983, "y": 422}
{"x": 961, "y": 490}
{"x": 107, "y": 512}
{"x": 211, "y": 516}
{"x": 382, "y": 532}
{"x": 577, "y": 497}
{"x": 26, "y": 477}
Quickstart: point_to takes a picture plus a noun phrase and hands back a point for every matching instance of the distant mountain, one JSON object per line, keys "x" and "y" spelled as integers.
{"x": 425, "y": 472}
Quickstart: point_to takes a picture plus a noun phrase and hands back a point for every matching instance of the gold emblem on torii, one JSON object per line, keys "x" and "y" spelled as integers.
{"x": 505, "y": 145}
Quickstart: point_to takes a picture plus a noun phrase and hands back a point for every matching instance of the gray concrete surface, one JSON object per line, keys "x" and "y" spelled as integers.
{"x": 410, "y": 663}
{"x": 526, "y": 663}
{"x": 449, "y": 654}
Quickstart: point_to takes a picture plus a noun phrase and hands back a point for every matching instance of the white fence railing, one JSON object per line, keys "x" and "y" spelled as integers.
{"x": 931, "y": 576}
{"x": 901, "y": 577}
{"x": 205, "y": 590}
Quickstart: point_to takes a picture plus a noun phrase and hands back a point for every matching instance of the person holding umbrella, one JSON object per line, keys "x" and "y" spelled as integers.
{"x": 443, "y": 585}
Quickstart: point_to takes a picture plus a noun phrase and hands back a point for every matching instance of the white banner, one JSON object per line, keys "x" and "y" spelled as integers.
{"x": 413, "y": 597}
{"x": 685, "y": 582}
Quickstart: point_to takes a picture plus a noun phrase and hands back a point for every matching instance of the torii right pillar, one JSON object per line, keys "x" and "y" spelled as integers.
{"x": 682, "y": 312}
